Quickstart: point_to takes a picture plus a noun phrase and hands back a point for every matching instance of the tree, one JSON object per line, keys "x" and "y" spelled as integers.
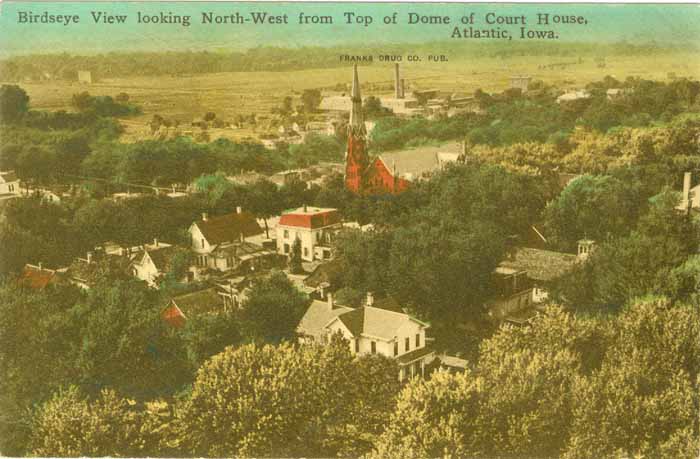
{"x": 295, "y": 259}
{"x": 272, "y": 310}
{"x": 82, "y": 101}
{"x": 311, "y": 99}
{"x": 206, "y": 335}
{"x": 209, "y": 116}
{"x": 71, "y": 425}
{"x": 286, "y": 401}
{"x": 643, "y": 400}
{"x": 264, "y": 201}
{"x": 592, "y": 207}
{"x": 122, "y": 98}
{"x": 433, "y": 418}
{"x": 14, "y": 103}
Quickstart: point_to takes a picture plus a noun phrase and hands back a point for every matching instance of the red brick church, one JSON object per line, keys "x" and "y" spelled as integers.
{"x": 365, "y": 175}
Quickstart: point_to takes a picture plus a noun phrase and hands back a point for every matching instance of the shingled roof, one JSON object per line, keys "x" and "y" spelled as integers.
{"x": 37, "y": 278}
{"x": 200, "y": 302}
{"x": 229, "y": 227}
{"x": 317, "y": 316}
{"x": 375, "y": 322}
{"x": 541, "y": 265}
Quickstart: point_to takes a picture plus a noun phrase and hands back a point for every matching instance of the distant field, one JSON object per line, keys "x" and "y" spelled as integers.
{"x": 228, "y": 94}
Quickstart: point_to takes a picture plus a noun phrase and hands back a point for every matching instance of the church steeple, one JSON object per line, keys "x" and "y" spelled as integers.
{"x": 357, "y": 121}
{"x": 356, "y": 160}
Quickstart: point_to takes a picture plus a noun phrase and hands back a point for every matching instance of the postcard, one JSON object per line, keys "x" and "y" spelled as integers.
{"x": 349, "y": 229}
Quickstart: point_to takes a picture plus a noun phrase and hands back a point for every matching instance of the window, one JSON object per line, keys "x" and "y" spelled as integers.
{"x": 357, "y": 345}
{"x": 229, "y": 262}
{"x": 306, "y": 251}
{"x": 286, "y": 248}
{"x": 417, "y": 339}
{"x": 286, "y": 234}
{"x": 407, "y": 344}
{"x": 374, "y": 347}
{"x": 396, "y": 347}
{"x": 202, "y": 243}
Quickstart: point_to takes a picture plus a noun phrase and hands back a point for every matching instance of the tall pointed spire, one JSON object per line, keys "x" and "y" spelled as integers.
{"x": 357, "y": 122}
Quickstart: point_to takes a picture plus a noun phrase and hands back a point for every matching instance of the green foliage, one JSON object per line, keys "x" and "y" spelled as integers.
{"x": 317, "y": 148}
{"x": 206, "y": 335}
{"x": 591, "y": 207}
{"x": 70, "y": 425}
{"x": 295, "y": 259}
{"x": 647, "y": 260}
{"x": 272, "y": 310}
{"x": 372, "y": 109}
{"x": 564, "y": 387}
{"x": 103, "y": 105}
{"x": 286, "y": 402}
{"x": 14, "y": 103}
{"x": 311, "y": 99}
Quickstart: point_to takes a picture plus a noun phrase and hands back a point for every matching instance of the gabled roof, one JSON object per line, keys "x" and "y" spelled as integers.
{"x": 414, "y": 163}
{"x": 330, "y": 272}
{"x": 37, "y": 278}
{"x": 540, "y": 265}
{"x": 310, "y": 217}
{"x": 317, "y": 316}
{"x": 376, "y": 322}
{"x": 229, "y": 227}
{"x": 163, "y": 257}
{"x": 200, "y": 302}
{"x": 8, "y": 176}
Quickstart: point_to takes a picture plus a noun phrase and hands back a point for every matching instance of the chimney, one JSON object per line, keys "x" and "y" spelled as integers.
{"x": 155, "y": 242}
{"x": 40, "y": 266}
{"x": 687, "y": 198}
{"x": 397, "y": 87}
{"x": 370, "y": 299}
{"x": 330, "y": 300}
{"x": 89, "y": 257}
{"x": 205, "y": 216}
{"x": 402, "y": 92}
{"x": 239, "y": 209}
{"x": 305, "y": 209}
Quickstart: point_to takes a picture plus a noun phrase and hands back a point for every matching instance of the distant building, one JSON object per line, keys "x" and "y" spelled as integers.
{"x": 573, "y": 96}
{"x": 96, "y": 266}
{"x": 388, "y": 173}
{"x": 9, "y": 184}
{"x": 36, "y": 277}
{"x": 521, "y": 82}
{"x": 370, "y": 330}
{"x": 184, "y": 307}
{"x": 219, "y": 243}
{"x": 314, "y": 227}
{"x": 85, "y": 77}
{"x": 155, "y": 261}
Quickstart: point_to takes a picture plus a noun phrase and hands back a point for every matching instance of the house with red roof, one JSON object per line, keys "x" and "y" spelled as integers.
{"x": 36, "y": 277}
{"x": 314, "y": 227}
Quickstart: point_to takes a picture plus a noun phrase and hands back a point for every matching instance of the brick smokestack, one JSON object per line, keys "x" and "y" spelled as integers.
{"x": 687, "y": 198}
{"x": 397, "y": 82}
{"x": 402, "y": 88}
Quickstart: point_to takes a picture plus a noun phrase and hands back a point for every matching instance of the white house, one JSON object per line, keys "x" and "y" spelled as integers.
{"x": 370, "y": 330}
{"x": 220, "y": 242}
{"x": 155, "y": 261}
{"x": 314, "y": 227}
{"x": 9, "y": 183}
